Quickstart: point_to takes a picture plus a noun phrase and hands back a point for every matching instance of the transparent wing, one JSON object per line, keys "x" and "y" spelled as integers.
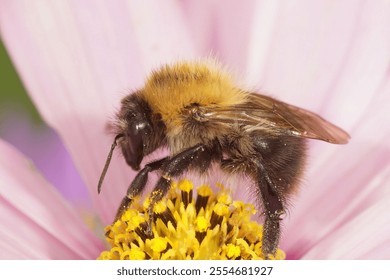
{"x": 261, "y": 112}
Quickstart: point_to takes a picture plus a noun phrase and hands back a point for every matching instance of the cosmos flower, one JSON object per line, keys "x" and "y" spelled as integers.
{"x": 77, "y": 60}
{"x": 209, "y": 227}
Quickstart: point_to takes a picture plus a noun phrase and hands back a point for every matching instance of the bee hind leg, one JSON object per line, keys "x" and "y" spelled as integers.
{"x": 138, "y": 185}
{"x": 273, "y": 209}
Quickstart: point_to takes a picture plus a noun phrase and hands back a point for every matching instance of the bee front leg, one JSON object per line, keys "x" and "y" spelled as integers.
{"x": 138, "y": 185}
{"x": 273, "y": 206}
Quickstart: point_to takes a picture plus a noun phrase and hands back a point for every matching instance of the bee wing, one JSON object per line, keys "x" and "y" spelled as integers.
{"x": 261, "y": 112}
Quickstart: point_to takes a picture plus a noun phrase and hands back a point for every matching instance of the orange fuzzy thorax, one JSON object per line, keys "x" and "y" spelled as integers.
{"x": 173, "y": 87}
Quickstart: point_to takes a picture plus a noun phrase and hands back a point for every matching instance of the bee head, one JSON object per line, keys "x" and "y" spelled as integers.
{"x": 138, "y": 132}
{"x": 135, "y": 125}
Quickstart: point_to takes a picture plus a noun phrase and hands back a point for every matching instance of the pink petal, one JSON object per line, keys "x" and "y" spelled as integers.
{"x": 342, "y": 183}
{"x": 222, "y": 28}
{"x": 365, "y": 236}
{"x": 77, "y": 61}
{"x": 321, "y": 55}
{"x": 42, "y": 145}
{"x": 36, "y": 221}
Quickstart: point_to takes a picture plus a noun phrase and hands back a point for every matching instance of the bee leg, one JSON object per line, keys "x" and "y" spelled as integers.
{"x": 273, "y": 206}
{"x": 198, "y": 156}
{"x": 137, "y": 186}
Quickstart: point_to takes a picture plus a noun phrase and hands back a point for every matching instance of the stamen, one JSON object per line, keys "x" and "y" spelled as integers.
{"x": 204, "y": 193}
{"x": 164, "y": 213}
{"x": 186, "y": 192}
{"x": 212, "y": 226}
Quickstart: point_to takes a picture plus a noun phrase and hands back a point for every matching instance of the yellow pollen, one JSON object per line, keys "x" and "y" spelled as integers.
{"x": 225, "y": 198}
{"x": 208, "y": 226}
{"x": 135, "y": 254}
{"x": 204, "y": 190}
{"x": 221, "y": 209}
{"x": 201, "y": 224}
{"x": 186, "y": 186}
{"x": 160, "y": 207}
{"x": 158, "y": 244}
{"x": 232, "y": 251}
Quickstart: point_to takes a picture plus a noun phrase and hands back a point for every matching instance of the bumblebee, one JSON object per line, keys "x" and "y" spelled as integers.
{"x": 196, "y": 110}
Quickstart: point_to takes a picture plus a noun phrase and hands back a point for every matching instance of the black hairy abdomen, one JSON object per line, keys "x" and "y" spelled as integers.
{"x": 283, "y": 158}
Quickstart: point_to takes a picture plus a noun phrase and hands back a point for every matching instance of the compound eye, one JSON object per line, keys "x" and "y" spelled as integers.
{"x": 133, "y": 147}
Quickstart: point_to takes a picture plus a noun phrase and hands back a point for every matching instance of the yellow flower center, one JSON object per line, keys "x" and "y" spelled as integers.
{"x": 210, "y": 227}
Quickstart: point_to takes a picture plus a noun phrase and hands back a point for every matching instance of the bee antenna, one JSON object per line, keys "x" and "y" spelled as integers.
{"x": 108, "y": 160}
